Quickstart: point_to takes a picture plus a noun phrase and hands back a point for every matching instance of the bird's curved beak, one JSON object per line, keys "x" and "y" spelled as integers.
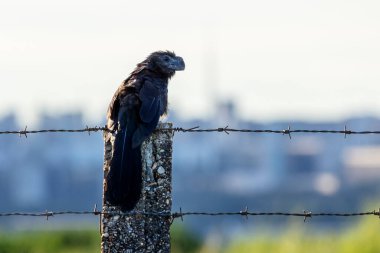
{"x": 178, "y": 64}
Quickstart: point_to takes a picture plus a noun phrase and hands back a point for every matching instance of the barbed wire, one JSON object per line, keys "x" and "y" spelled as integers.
{"x": 25, "y": 132}
{"x": 287, "y": 131}
{"x": 173, "y": 215}
{"x": 197, "y": 129}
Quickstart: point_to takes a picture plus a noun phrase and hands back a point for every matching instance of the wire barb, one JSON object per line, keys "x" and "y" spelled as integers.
{"x": 96, "y": 212}
{"x": 245, "y": 212}
{"x": 346, "y": 131}
{"x": 47, "y": 214}
{"x": 23, "y": 132}
{"x": 307, "y": 215}
{"x": 88, "y": 130}
{"x": 177, "y": 215}
{"x": 287, "y": 132}
{"x": 223, "y": 129}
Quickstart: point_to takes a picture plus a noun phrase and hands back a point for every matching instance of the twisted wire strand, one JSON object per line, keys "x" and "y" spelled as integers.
{"x": 180, "y": 214}
{"x": 197, "y": 129}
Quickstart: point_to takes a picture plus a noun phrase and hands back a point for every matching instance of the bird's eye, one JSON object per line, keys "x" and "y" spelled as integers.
{"x": 166, "y": 58}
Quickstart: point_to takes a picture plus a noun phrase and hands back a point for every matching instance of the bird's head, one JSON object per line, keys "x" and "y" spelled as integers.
{"x": 166, "y": 62}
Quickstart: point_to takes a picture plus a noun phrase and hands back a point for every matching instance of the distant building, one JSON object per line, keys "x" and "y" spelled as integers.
{"x": 362, "y": 164}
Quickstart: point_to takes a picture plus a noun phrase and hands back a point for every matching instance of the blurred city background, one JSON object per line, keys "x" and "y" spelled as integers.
{"x": 249, "y": 64}
{"x": 211, "y": 172}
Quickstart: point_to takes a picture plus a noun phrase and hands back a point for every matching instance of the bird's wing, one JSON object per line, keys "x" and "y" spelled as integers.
{"x": 149, "y": 112}
{"x": 150, "y": 102}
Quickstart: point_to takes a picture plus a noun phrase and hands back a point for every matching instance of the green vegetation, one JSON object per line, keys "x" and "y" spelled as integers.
{"x": 50, "y": 241}
{"x": 83, "y": 241}
{"x": 183, "y": 241}
{"x": 362, "y": 237}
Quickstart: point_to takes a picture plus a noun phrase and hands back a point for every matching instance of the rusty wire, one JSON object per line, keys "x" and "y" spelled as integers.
{"x": 197, "y": 129}
{"x": 245, "y": 213}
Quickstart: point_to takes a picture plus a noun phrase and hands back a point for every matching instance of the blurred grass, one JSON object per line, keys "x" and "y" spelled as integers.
{"x": 50, "y": 241}
{"x": 183, "y": 241}
{"x": 84, "y": 241}
{"x": 363, "y": 237}
{"x": 360, "y": 237}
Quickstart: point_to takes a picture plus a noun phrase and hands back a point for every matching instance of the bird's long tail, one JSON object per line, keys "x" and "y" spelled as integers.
{"x": 125, "y": 176}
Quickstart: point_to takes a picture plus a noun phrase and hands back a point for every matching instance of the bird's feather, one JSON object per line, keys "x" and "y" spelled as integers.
{"x": 124, "y": 179}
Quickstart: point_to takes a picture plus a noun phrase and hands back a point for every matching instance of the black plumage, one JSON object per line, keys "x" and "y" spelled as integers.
{"x": 133, "y": 114}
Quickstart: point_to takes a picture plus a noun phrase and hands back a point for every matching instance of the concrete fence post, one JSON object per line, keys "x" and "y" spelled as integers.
{"x": 142, "y": 233}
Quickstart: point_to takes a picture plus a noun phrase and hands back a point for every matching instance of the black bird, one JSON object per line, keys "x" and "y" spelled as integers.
{"x": 133, "y": 114}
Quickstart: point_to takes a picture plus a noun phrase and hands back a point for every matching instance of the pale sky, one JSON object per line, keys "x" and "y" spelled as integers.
{"x": 312, "y": 60}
